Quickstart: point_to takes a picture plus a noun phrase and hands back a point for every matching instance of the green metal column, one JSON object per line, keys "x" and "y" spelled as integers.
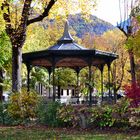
{"x": 90, "y": 89}
{"x": 54, "y": 91}
{"x": 49, "y": 72}
{"x": 102, "y": 87}
{"x": 109, "y": 68}
{"x": 28, "y": 76}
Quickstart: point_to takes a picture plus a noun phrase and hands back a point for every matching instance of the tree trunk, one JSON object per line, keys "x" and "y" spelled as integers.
{"x": 1, "y": 87}
{"x": 16, "y": 68}
{"x": 132, "y": 66}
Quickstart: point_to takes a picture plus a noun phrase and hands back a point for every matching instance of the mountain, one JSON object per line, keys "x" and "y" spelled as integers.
{"x": 95, "y": 26}
{"x": 81, "y": 26}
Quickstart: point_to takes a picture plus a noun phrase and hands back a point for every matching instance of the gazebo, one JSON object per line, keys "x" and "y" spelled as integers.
{"x": 67, "y": 53}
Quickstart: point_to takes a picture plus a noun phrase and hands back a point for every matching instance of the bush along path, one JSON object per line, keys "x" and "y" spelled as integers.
{"x": 29, "y": 109}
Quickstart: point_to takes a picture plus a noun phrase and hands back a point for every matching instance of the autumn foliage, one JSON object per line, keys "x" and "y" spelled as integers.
{"x": 133, "y": 93}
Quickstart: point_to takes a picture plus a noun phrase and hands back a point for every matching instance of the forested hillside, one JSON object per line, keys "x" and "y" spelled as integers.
{"x": 94, "y": 25}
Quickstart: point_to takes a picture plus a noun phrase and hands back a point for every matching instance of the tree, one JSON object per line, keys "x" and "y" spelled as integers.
{"x": 17, "y": 31}
{"x": 113, "y": 41}
{"x": 17, "y": 36}
{"x": 126, "y": 26}
{"x": 135, "y": 40}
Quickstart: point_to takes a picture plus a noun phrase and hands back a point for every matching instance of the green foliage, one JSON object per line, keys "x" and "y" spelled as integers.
{"x": 5, "y": 59}
{"x": 121, "y": 113}
{"x": 65, "y": 77}
{"x": 138, "y": 18}
{"x": 136, "y": 41}
{"x": 101, "y": 117}
{"x": 129, "y": 43}
{"x": 1, "y": 113}
{"x": 5, "y": 118}
{"x": 117, "y": 115}
{"x": 5, "y": 49}
{"x": 23, "y": 105}
{"x": 39, "y": 75}
{"x": 97, "y": 116}
{"x": 47, "y": 113}
{"x": 41, "y": 111}
{"x": 74, "y": 116}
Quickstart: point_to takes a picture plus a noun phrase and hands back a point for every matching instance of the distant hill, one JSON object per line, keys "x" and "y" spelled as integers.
{"x": 96, "y": 26}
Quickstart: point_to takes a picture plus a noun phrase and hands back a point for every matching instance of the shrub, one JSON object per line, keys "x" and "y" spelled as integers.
{"x": 133, "y": 93}
{"x": 68, "y": 115}
{"x": 120, "y": 113}
{"x": 134, "y": 118}
{"x": 101, "y": 116}
{"x": 47, "y": 113}
{"x": 73, "y": 116}
{"x": 2, "y": 109}
{"x": 22, "y": 106}
{"x": 116, "y": 115}
{"x": 41, "y": 111}
{"x": 5, "y": 118}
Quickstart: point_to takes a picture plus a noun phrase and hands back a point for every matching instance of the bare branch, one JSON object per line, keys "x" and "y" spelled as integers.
{"x": 43, "y": 15}
{"x": 122, "y": 29}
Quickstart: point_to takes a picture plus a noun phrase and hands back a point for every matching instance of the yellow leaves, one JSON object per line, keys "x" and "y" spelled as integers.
{"x": 86, "y": 6}
{"x": 88, "y": 41}
{"x": 39, "y": 38}
{"x": 113, "y": 41}
{"x": 2, "y": 22}
{"x": 23, "y": 105}
{"x": 67, "y": 7}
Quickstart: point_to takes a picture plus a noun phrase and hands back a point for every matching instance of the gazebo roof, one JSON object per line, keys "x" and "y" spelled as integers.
{"x": 67, "y": 53}
{"x": 66, "y": 42}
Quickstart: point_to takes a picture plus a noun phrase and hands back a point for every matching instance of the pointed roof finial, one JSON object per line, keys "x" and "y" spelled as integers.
{"x": 66, "y": 35}
{"x": 66, "y": 42}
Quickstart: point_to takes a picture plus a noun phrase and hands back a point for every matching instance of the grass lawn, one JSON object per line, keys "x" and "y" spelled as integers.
{"x": 14, "y": 133}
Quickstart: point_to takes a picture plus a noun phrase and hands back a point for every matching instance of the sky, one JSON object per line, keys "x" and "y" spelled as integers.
{"x": 108, "y": 10}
